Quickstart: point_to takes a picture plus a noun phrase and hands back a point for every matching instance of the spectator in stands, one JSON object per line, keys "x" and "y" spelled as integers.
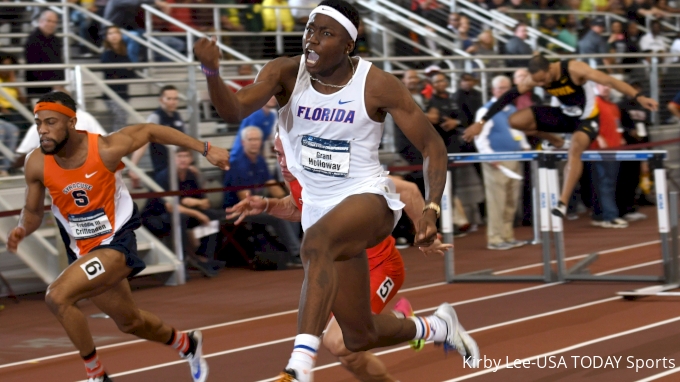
{"x": 264, "y": 119}
{"x": 115, "y": 51}
{"x": 83, "y": 23}
{"x": 663, "y": 6}
{"x": 605, "y": 173}
{"x": 464, "y": 40}
{"x": 632, "y": 37}
{"x": 248, "y": 169}
{"x": 43, "y": 47}
{"x": 85, "y": 122}
{"x": 7, "y": 111}
{"x": 428, "y": 90}
{"x": 123, "y": 13}
{"x": 453, "y": 23}
{"x": 635, "y": 121}
{"x": 501, "y": 191}
{"x": 9, "y": 135}
{"x": 485, "y": 46}
{"x": 517, "y": 5}
{"x": 653, "y": 41}
{"x": 166, "y": 114}
{"x": 517, "y": 45}
{"x": 443, "y": 113}
{"x": 413, "y": 83}
{"x": 593, "y": 41}
{"x": 270, "y": 20}
{"x": 244, "y": 70}
{"x": 468, "y": 99}
{"x": 569, "y": 33}
{"x": 194, "y": 211}
{"x": 638, "y": 10}
{"x": 675, "y": 49}
{"x": 362, "y": 48}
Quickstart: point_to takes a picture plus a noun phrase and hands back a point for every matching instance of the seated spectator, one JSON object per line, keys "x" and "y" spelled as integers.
{"x": 653, "y": 41}
{"x": 263, "y": 119}
{"x": 638, "y": 10}
{"x": 116, "y": 52}
{"x": 123, "y": 13}
{"x": 249, "y": 169}
{"x": 44, "y": 47}
{"x": 464, "y": 40}
{"x": 485, "y": 46}
{"x": 194, "y": 211}
{"x": 244, "y": 70}
{"x": 569, "y": 34}
{"x": 83, "y": 23}
{"x": 594, "y": 43}
{"x": 7, "y": 111}
{"x": 632, "y": 37}
{"x": 517, "y": 45}
{"x": 9, "y": 135}
{"x": 605, "y": 173}
{"x": 361, "y": 46}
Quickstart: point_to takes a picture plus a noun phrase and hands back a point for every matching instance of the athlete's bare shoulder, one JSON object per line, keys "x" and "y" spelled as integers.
{"x": 578, "y": 71}
{"x": 34, "y": 167}
{"x": 282, "y": 70}
{"x": 383, "y": 91}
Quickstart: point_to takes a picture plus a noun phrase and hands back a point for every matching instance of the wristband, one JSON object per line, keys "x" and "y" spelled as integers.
{"x": 206, "y": 148}
{"x": 210, "y": 72}
{"x": 638, "y": 95}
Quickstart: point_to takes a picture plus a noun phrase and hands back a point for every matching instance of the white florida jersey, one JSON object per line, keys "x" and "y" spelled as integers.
{"x": 330, "y": 142}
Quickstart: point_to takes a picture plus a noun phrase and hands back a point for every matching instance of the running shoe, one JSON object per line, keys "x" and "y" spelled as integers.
{"x": 560, "y": 211}
{"x": 103, "y": 378}
{"x": 199, "y": 367}
{"x": 287, "y": 375}
{"x": 456, "y": 336}
{"x": 403, "y": 306}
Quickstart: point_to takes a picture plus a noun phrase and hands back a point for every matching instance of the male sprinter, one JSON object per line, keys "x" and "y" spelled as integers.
{"x": 570, "y": 83}
{"x": 333, "y": 108}
{"x": 97, "y": 219}
{"x": 385, "y": 265}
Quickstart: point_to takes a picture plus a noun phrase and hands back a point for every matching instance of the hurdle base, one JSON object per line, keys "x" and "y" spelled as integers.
{"x": 581, "y": 267}
{"x": 655, "y": 290}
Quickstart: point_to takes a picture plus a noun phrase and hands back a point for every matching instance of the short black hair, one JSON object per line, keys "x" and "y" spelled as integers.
{"x": 166, "y": 88}
{"x": 345, "y": 8}
{"x": 59, "y": 97}
{"x": 538, "y": 63}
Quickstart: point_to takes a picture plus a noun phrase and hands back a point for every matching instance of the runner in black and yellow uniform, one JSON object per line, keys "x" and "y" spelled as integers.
{"x": 571, "y": 83}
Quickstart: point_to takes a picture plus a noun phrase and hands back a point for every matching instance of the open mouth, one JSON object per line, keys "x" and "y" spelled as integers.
{"x": 312, "y": 57}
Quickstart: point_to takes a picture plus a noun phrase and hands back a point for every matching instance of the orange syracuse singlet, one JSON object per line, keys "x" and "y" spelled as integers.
{"x": 90, "y": 202}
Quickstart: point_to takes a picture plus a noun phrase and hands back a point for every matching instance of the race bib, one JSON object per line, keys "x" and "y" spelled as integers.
{"x": 90, "y": 224}
{"x": 572, "y": 111}
{"x": 325, "y": 156}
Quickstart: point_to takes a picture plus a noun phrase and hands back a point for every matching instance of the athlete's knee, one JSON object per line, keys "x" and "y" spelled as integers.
{"x": 360, "y": 340}
{"x": 130, "y": 325}
{"x": 334, "y": 342}
{"x": 314, "y": 245}
{"x": 521, "y": 121}
{"x": 353, "y": 361}
{"x": 57, "y": 298}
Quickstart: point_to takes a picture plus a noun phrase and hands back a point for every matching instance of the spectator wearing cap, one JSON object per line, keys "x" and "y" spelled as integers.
{"x": 428, "y": 90}
{"x": 593, "y": 42}
{"x": 517, "y": 45}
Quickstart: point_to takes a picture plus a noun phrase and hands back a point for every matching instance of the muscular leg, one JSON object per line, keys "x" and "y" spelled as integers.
{"x": 358, "y": 222}
{"x": 364, "y": 365}
{"x": 579, "y": 143}
{"x": 525, "y": 121}
{"x": 73, "y": 285}
{"x": 117, "y": 302}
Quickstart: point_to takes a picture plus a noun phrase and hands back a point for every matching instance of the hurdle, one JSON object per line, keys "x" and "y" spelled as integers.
{"x": 548, "y": 191}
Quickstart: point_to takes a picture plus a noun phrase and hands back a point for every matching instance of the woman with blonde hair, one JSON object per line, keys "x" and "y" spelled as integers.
{"x": 115, "y": 51}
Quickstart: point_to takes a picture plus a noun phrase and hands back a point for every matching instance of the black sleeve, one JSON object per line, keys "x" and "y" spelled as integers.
{"x": 505, "y": 100}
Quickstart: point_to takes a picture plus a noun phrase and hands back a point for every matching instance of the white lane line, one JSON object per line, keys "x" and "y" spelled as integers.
{"x": 494, "y": 326}
{"x": 579, "y": 257}
{"x": 230, "y": 323}
{"x": 629, "y": 268}
{"x": 570, "y": 348}
{"x": 660, "y": 375}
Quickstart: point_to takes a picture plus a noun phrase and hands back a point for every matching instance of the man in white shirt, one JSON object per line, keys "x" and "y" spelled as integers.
{"x": 501, "y": 191}
{"x": 653, "y": 41}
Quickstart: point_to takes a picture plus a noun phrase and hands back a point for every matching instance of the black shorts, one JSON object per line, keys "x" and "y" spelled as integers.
{"x": 124, "y": 241}
{"x": 553, "y": 120}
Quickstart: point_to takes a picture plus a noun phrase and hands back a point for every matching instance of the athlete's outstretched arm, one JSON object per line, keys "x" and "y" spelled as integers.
{"x": 395, "y": 99}
{"x": 32, "y": 213}
{"x": 233, "y": 107}
{"x": 582, "y": 70}
{"x": 283, "y": 208}
{"x": 128, "y": 139}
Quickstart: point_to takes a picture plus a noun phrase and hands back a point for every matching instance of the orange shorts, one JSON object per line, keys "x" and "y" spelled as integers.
{"x": 387, "y": 278}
